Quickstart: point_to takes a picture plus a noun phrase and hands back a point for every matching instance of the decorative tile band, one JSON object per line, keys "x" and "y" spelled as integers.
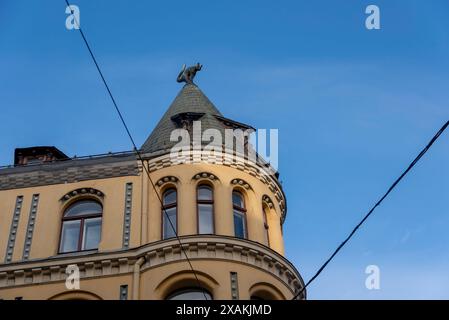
{"x": 66, "y": 172}
{"x": 30, "y": 227}
{"x": 127, "y": 215}
{"x": 13, "y": 229}
{"x": 234, "y": 286}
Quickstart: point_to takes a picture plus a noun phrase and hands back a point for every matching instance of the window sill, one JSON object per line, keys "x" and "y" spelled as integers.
{"x": 76, "y": 253}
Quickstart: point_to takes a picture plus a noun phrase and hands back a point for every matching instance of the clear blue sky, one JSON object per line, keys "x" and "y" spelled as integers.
{"x": 353, "y": 108}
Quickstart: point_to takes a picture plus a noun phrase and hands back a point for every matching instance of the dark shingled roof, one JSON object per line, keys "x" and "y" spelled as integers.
{"x": 190, "y": 102}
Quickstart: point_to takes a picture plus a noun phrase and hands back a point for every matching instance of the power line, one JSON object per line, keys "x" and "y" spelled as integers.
{"x": 136, "y": 149}
{"x": 415, "y": 161}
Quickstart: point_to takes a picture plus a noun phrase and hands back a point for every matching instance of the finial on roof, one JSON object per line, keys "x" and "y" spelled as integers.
{"x": 187, "y": 75}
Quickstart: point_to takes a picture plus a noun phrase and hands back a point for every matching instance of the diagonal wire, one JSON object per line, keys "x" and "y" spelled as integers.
{"x": 415, "y": 161}
{"x": 135, "y": 148}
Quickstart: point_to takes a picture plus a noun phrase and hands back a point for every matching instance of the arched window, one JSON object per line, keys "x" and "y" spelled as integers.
{"x": 81, "y": 226}
{"x": 190, "y": 294}
{"x": 205, "y": 209}
{"x": 239, "y": 211}
{"x": 265, "y": 212}
{"x": 169, "y": 213}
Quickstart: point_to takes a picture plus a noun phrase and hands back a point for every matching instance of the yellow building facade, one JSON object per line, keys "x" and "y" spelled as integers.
{"x": 127, "y": 233}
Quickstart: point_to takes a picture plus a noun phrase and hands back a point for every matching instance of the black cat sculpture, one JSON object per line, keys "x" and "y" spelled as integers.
{"x": 187, "y": 75}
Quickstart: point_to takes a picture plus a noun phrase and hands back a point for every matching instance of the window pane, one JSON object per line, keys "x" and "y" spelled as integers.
{"x": 167, "y": 228}
{"x": 194, "y": 294}
{"x": 170, "y": 197}
{"x": 205, "y": 219}
{"x": 239, "y": 225}
{"x": 265, "y": 222}
{"x": 204, "y": 193}
{"x": 92, "y": 233}
{"x": 69, "y": 236}
{"x": 237, "y": 200}
{"x": 82, "y": 208}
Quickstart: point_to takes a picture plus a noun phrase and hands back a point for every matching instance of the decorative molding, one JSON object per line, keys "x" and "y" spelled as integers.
{"x": 205, "y": 175}
{"x": 166, "y": 179}
{"x": 198, "y": 247}
{"x": 30, "y": 227}
{"x": 241, "y": 182}
{"x": 13, "y": 229}
{"x": 82, "y": 192}
{"x": 267, "y": 200}
{"x": 127, "y": 215}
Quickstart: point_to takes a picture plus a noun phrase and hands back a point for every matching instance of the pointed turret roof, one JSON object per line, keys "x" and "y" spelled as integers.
{"x": 191, "y": 104}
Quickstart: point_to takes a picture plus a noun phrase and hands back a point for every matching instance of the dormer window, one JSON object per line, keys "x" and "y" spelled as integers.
{"x": 185, "y": 120}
